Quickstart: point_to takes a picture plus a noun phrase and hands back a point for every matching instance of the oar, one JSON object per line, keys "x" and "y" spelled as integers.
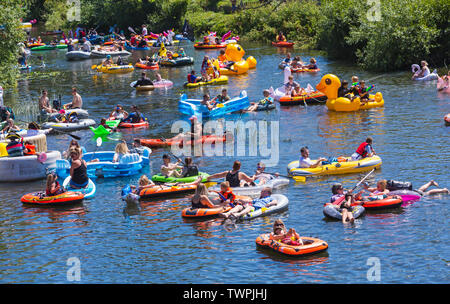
{"x": 164, "y": 140}
{"x": 365, "y": 177}
{"x": 131, "y": 30}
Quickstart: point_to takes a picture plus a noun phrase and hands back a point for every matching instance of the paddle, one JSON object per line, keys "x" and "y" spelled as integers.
{"x": 365, "y": 177}
{"x": 179, "y": 159}
{"x": 131, "y": 30}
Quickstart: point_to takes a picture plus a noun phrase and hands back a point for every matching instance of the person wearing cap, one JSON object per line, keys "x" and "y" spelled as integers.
{"x": 15, "y": 147}
{"x": 143, "y": 81}
{"x": 118, "y": 113}
{"x": 108, "y": 61}
{"x": 135, "y": 116}
{"x": 306, "y": 162}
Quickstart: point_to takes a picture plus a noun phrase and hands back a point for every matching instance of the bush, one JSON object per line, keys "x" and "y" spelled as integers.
{"x": 10, "y": 36}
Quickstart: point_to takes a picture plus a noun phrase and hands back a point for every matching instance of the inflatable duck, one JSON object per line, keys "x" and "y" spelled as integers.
{"x": 330, "y": 84}
{"x": 235, "y": 53}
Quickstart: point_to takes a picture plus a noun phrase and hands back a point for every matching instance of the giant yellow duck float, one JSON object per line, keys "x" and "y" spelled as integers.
{"x": 330, "y": 84}
{"x": 235, "y": 53}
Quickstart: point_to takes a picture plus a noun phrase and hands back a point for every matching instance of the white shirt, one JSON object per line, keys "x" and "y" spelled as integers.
{"x": 305, "y": 162}
{"x": 144, "y": 31}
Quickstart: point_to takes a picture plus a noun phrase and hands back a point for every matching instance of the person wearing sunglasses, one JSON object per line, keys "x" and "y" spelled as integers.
{"x": 280, "y": 233}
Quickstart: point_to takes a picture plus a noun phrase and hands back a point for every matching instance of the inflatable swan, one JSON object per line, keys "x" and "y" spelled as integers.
{"x": 281, "y": 91}
{"x": 330, "y": 84}
{"x": 415, "y": 68}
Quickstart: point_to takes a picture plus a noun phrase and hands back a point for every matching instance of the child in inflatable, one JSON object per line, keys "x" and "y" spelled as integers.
{"x": 280, "y": 233}
{"x": 52, "y": 186}
{"x": 266, "y": 101}
{"x": 312, "y": 64}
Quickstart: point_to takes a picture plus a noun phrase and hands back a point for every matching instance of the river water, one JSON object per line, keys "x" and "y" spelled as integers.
{"x": 151, "y": 243}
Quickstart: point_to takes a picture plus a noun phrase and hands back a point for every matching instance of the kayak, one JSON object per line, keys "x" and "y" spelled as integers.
{"x": 178, "y": 61}
{"x": 156, "y": 191}
{"x": 69, "y": 126}
{"x": 115, "y": 69}
{"x": 255, "y": 191}
{"x": 158, "y": 143}
{"x": 203, "y": 212}
{"x": 344, "y": 166}
{"x": 130, "y": 164}
{"x": 143, "y": 124}
{"x": 88, "y": 192}
{"x": 332, "y": 211}
{"x": 283, "y": 44}
{"x": 163, "y": 179}
{"x": 78, "y": 55}
{"x": 216, "y": 81}
{"x": 310, "y": 245}
{"x": 104, "y": 54}
{"x": 193, "y": 107}
{"x": 282, "y": 204}
{"x": 384, "y": 203}
{"x": 209, "y": 46}
{"x": 39, "y": 198}
{"x": 147, "y": 67}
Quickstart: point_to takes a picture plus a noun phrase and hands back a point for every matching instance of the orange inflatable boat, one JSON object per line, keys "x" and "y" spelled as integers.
{"x": 310, "y": 245}
{"x": 39, "y": 198}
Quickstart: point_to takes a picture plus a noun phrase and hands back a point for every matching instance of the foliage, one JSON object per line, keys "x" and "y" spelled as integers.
{"x": 10, "y": 36}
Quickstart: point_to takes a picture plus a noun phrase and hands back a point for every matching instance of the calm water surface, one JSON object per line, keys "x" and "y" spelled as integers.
{"x": 151, "y": 243}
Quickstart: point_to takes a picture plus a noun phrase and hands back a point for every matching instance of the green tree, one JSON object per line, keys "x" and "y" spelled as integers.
{"x": 10, "y": 37}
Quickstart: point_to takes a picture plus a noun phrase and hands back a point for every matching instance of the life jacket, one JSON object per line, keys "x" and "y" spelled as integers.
{"x": 228, "y": 195}
{"x": 31, "y": 149}
{"x": 190, "y": 171}
{"x": 362, "y": 149}
{"x": 191, "y": 78}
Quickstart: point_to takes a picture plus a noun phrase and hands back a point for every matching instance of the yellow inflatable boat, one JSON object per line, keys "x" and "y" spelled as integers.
{"x": 216, "y": 81}
{"x": 344, "y": 166}
{"x": 330, "y": 84}
{"x": 115, "y": 69}
{"x": 235, "y": 53}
